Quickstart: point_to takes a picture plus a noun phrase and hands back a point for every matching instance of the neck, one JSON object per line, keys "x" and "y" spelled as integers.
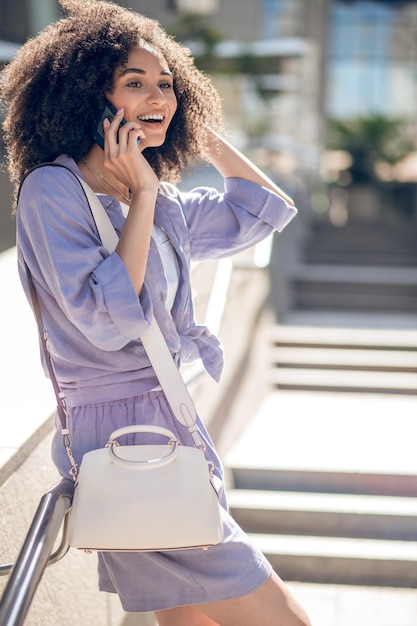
{"x": 92, "y": 167}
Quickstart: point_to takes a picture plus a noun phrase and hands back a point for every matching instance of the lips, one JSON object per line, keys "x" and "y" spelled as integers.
{"x": 155, "y": 127}
{"x": 155, "y": 118}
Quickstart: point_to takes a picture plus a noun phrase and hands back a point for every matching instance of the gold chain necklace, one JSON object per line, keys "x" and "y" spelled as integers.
{"x": 98, "y": 174}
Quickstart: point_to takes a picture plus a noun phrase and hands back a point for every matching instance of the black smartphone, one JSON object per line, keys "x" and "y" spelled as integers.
{"x": 109, "y": 111}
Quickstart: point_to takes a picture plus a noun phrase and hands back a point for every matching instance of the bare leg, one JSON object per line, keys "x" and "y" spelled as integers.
{"x": 271, "y": 604}
{"x": 183, "y": 616}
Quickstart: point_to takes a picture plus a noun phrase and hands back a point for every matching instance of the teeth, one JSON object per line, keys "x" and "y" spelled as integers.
{"x": 157, "y": 117}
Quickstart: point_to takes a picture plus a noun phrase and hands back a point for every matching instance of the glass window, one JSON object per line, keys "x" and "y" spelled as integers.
{"x": 372, "y": 87}
{"x": 283, "y": 18}
{"x": 372, "y": 58}
{"x": 382, "y": 39}
{"x": 367, "y": 35}
{"x": 344, "y": 40}
{"x": 343, "y": 88}
{"x": 401, "y": 86}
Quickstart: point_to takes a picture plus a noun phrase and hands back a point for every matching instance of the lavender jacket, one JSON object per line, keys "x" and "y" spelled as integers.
{"x": 90, "y": 308}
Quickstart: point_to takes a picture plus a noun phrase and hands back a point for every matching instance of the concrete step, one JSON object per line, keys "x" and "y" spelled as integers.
{"x": 334, "y": 442}
{"x": 314, "y": 299}
{"x": 328, "y": 379}
{"x": 324, "y": 514}
{"x": 323, "y": 481}
{"x": 352, "y": 256}
{"x": 362, "y": 245}
{"x": 367, "y": 275}
{"x": 346, "y": 359}
{"x": 343, "y": 359}
{"x": 355, "y": 288}
{"x": 344, "y": 337}
{"x": 367, "y": 240}
{"x": 341, "y": 560}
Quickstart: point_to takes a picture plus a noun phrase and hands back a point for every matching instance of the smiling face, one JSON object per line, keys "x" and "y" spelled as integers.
{"x": 144, "y": 87}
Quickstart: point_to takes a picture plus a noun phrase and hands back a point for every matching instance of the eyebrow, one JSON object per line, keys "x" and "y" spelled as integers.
{"x": 136, "y": 70}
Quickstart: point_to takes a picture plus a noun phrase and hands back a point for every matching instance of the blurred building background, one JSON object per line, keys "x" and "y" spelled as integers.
{"x": 323, "y": 88}
{"x": 321, "y": 94}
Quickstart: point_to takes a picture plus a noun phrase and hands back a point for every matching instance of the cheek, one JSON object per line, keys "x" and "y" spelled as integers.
{"x": 174, "y": 104}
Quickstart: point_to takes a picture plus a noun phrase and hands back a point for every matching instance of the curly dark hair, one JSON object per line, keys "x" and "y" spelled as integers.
{"x": 55, "y": 87}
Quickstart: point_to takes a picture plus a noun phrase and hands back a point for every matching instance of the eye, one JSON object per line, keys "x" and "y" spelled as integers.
{"x": 166, "y": 85}
{"x": 134, "y": 84}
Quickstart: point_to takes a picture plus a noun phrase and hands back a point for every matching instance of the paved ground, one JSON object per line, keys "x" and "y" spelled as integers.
{"x": 333, "y": 605}
{"x": 331, "y": 432}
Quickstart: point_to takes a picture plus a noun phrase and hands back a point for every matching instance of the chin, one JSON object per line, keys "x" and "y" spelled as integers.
{"x": 154, "y": 144}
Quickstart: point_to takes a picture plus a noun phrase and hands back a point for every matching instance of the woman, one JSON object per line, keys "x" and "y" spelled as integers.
{"x": 96, "y": 304}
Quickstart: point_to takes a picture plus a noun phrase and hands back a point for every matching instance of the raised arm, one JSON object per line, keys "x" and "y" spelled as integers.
{"x": 231, "y": 163}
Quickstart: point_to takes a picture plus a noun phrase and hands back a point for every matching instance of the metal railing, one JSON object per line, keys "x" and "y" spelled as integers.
{"x": 36, "y": 553}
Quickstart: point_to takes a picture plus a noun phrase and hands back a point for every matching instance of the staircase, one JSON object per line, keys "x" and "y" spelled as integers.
{"x": 344, "y": 359}
{"x": 324, "y": 478}
{"x": 357, "y": 268}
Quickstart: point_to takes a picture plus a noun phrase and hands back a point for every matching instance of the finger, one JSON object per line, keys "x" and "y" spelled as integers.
{"x": 106, "y": 125}
{"x": 111, "y": 130}
{"x": 131, "y": 135}
{"x": 135, "y": 137}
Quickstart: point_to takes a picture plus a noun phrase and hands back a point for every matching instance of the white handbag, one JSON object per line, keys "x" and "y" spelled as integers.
{"x": 141, "y": 497}
{"x": 144, "y": 497}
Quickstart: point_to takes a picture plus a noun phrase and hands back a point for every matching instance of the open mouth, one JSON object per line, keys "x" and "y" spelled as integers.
{"x": 152, "y": 119}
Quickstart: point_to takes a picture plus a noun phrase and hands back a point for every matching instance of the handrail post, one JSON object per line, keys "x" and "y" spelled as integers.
{"x": 35, "y": 552}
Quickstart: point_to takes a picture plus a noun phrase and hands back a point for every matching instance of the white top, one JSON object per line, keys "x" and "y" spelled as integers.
{"x": 168, "y": 258}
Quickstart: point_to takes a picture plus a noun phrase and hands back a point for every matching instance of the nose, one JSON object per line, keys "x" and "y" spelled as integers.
{"x": 155, "y": 94}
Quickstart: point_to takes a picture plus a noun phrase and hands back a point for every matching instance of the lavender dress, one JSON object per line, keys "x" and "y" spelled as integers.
{"x": 93, "y": 317}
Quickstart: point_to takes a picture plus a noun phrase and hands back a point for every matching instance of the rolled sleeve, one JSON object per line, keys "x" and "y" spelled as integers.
{"x": 261, "y": 202}
{"x": 90, "y": 288}
{"x": 127, "y": 312}
{"x": 223, "y": 224}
